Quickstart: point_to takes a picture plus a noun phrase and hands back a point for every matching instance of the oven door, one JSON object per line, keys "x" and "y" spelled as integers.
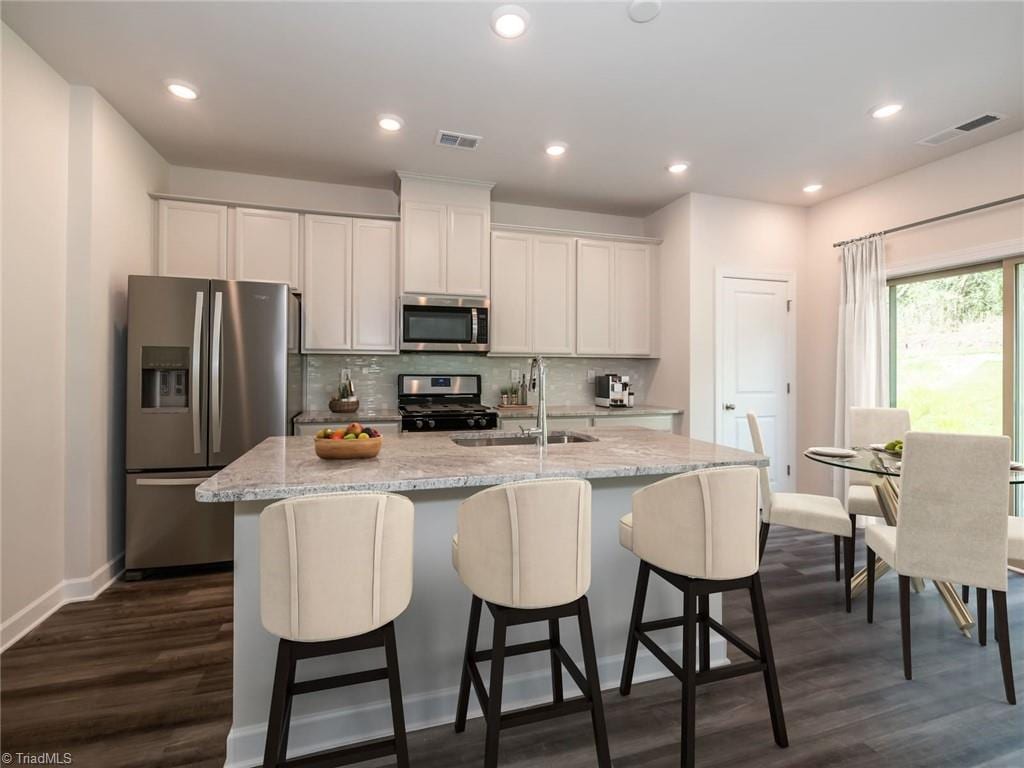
{"x": 443, "y": 324}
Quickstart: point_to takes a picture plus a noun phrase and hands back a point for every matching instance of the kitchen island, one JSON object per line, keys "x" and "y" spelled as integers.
{"x": 437, "y": 474}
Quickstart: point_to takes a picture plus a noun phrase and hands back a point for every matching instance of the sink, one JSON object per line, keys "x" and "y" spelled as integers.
{"x": 508, "y": 438}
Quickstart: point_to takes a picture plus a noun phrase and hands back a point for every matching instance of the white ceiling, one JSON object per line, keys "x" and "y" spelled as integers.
{"x": 760, "y": 98}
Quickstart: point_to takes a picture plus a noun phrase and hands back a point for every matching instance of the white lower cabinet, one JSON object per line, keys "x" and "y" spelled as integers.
{"x": 386, "y": 428}
{"x": 658, "y": 422}
{"x": 661, "y": 423}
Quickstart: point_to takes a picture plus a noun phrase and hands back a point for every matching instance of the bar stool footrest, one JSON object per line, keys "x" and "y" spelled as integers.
{"x": 355, "y": 753}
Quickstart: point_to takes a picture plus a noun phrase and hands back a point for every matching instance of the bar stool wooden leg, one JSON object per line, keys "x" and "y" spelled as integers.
{"x": 871, "y": 585}
{"x": 689, "y": 677}
{"x": 494, "y": 694}
{"x": 835, "y": 546}
{"x": 704, "y": 612}
{"x": 557, "y": 694}
{"x": 280, "y": 707}
{"x": 982, "y": 616}
{"x": 636, "y": 618}
{"x": 905, "y": 624}
{"x": 1005, "y": 660}
{"x": 764, "y": 647}
{"x": 763, "y": 535}
{"x": 604, "y": 759}
{"x": 395, "y": 691}
{"x": 462, "y": 708}
{"x": 965, "y": 594}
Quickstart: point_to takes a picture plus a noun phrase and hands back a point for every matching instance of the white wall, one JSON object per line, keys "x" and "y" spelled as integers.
{"x": 982, "y": 174}
{"x": 35, "y": 185}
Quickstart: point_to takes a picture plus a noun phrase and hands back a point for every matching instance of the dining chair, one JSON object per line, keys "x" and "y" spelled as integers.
{"x": 952, "y": 527}
{"x": 867, "y": 426}
{"x": 806, "y": 511}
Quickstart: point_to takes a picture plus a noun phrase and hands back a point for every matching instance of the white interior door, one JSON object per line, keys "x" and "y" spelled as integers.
{"x": 754, "y": 368}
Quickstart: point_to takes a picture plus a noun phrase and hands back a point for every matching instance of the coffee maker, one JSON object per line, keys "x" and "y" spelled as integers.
{"x": 611, "y": 391}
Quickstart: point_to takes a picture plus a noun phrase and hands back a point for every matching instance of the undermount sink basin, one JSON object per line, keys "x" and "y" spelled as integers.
{"x": 554, "y": 438}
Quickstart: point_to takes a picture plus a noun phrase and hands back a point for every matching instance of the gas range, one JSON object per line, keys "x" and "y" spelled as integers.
{"x": 431, "y": 402}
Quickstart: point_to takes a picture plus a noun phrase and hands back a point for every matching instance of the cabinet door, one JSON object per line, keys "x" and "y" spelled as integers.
{"x": 326, "y": 302}
{"x": 267, "y": 246}
{"x": 510, "y": 293}
{"x": 192, "y": 240}
{"x": 632, "y": 305}
{"x": 374, "y": 287}
{"x": 553, "y": 295}
{"x": 424, "y": 240}
{"x": 468, "y": 262}
{"x": 595, "y": 333}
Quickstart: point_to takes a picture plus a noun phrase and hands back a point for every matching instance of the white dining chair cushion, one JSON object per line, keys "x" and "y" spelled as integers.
{"x": 626, "y": 531}
{"x": 953, "y": 505}
{"x": 1015, "y": 541}
{"x": 874, "y": 425}
{"x": 527, "y": 544}
{"x": 335, "y": 566}
{"x": 882, "y": 539}
{"x": 861, "y": 499}
{"x": 701, "y": 524}
{"x": 824, "y": 514}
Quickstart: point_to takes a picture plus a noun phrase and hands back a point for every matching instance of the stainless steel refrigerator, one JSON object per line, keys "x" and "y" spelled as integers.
{"x": 211, "y": 373}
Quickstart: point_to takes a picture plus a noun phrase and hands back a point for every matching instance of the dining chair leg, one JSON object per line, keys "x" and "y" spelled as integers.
{"x": 689, "y": 753}
{"x": 982, "y": 595}
{"x": 494, "y": 693}
{"x": 965, "y": 594}
{"x": 642, "y": 579}
{"x": 1002, "y": 625}
{"x": 848, "y": 543}
{"x": 765, "y": 527}
{"x": 704, "y": 612}
{"x": 554, "y": 636}
{"x": 462, "y": 708}
{"x": 871, "y": 585}
{"x": 905, "y": 624}
{"x": 835, "y": 546}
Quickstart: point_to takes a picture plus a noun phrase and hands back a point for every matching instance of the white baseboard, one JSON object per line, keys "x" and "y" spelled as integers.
{"x": 68, "y": 591}
{"x": 325, "y": 730}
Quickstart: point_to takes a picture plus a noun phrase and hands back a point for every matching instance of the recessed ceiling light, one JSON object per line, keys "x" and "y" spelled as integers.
{"x": 183, "y": 90}
{"x": 642, "y": 11}
{"x": 678, "y": 167}
{"x": 556, "y": 148}
{"x": 390, "y": 123}
{"x": 887, "y": 110}
{"x": 812, "y": 188}
{"x": 509, "y": 21}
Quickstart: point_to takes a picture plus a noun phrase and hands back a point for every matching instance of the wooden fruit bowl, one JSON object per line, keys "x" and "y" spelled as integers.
{"x": 347, "y": 449}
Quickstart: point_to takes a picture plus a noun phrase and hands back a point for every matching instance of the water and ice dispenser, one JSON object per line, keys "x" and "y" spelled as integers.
{"x": 165, "y": 377}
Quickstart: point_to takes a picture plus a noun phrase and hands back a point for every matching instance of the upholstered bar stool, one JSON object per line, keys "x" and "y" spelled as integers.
{"x": 952, "y": 527}
{"x": 867, "y": 426}
{"x": 806, "y": 511}
{"x": 335, "y": 572}
{"x": 523, "y": 549}
{"x": 699, "y": 532}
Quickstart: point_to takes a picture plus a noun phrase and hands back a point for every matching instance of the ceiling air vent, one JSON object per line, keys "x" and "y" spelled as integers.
{"x": 949, "y": 134}
{"x": 458, "y": 140}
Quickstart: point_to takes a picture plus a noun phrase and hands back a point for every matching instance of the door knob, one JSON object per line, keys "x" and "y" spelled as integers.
{"x": 729, "y": 406}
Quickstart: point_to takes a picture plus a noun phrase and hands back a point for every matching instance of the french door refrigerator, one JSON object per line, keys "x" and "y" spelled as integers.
{"x": 208, "y": 378}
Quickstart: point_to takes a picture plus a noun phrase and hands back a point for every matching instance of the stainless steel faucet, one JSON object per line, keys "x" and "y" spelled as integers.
{"x": 539, "y": 383}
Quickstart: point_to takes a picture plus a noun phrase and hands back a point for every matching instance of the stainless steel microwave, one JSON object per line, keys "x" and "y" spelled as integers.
{"x": 444, "y": 323}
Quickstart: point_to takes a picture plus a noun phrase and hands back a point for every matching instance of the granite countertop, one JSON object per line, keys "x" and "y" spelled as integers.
{"x": 555, "y": 411}
{"x": 280, "y": 467}
{"x": 363, "y": 414}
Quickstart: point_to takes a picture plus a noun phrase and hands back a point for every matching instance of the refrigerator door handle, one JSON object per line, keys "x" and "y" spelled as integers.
{"x": 197, "y": 344}
{"x": 171, "y": 480}
{"x": 215, "y": 372}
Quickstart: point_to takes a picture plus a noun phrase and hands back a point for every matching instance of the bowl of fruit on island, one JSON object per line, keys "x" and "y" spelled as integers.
{"x": 351, "y": 442}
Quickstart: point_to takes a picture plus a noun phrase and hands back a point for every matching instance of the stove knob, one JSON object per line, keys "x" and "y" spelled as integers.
{"x": 481, "y": 421}
{"x": 471, "y": 421}
{"x": 430, "y": 423}
{"x": 419, "y": 423}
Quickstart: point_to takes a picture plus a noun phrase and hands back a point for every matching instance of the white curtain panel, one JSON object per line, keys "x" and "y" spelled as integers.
{"x": 862, "y": 351}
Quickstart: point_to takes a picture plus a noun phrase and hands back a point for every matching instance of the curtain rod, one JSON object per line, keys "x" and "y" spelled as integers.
{"x": 932, "y": 220}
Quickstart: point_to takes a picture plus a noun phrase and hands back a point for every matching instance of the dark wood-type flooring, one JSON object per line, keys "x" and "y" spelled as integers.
{"x": 142, "y": 677}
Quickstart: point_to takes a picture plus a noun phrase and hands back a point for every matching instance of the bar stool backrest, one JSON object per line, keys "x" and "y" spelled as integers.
{"x": 702, "y": 524}
{"x": 954, "y": 501}
{"x": 875, "y": 425}
{"x": 527, "y": 544}
{"x": 335, "y": 566}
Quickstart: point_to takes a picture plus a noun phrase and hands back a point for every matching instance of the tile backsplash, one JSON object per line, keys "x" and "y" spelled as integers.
{"x": 375, "y": 377}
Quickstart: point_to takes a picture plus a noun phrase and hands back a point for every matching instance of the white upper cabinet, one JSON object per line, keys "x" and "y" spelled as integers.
{"x": 326, "y": 302}
{"x": 467, "y": 268}
{"x": 595, "y": 261}
{"x": 553, "y": 295}
{"x": 424, "y": 247}
{"x": 510, "y": 319}
{"x": 267, "y": 246}
{"x": 632, "y": 310}
{"x": 446, "y": 236}
{"x": 374, "y": 285}
{"x": 192, "y": 239}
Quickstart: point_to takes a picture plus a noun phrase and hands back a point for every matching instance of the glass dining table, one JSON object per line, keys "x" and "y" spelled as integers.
{"x": 885, "y": 470}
